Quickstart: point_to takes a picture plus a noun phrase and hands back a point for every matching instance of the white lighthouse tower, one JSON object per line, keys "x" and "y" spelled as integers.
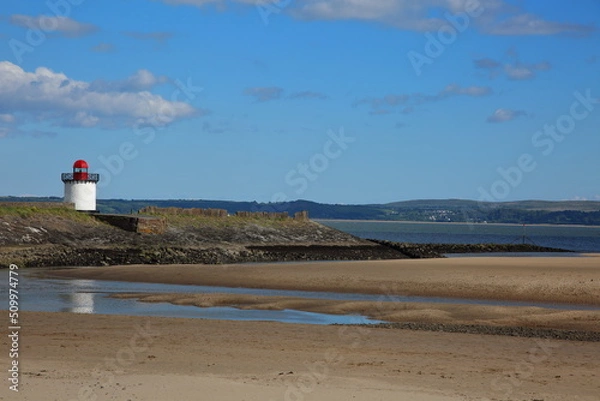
{"x": 80, "y": 187}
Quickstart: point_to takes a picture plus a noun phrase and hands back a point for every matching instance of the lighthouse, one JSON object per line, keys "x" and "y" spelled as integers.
{"x": 80, "y": 187}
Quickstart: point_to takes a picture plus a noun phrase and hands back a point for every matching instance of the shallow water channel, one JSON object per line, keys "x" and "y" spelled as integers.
{"x": 92, "y": 296}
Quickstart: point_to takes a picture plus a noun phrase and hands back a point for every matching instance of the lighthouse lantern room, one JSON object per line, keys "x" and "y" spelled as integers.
{"x": 80, "y": 187}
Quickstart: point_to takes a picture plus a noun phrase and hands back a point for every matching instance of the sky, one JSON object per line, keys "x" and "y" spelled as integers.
{"x": 339, "y": 101}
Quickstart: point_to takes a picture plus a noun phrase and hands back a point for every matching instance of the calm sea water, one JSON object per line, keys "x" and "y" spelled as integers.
{"x": 574, "y": 238}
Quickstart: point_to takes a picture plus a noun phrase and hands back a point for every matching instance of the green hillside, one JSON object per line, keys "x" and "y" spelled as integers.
{"x": 443, "y": 210}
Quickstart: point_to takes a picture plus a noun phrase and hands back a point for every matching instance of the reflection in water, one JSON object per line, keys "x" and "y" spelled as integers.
{"x": 79, "y": 301}
{"x": 82, "y": 303}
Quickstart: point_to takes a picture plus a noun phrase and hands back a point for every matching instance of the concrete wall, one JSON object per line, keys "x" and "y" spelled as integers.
{"x": 302, "y": 216}
{"x": 136, "y": 224}
{"x": 174, "y": 211}
{"x": 264, "y": 215}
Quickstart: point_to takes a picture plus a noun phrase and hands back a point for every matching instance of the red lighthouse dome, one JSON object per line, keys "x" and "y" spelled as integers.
{"x": 80, "y": 170}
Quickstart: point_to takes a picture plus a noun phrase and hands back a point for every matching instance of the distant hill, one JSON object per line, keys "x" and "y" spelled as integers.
{"x": 434, "y": 210}
{"x": 582, "y": 206}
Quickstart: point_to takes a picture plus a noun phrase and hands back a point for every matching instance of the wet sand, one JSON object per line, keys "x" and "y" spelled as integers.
{"x": 545, "y": 279}
{"x": 137, "y": 358}
{"x": 400, "y": 312}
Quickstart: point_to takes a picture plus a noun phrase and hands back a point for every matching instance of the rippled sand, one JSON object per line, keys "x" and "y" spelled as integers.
{"x": 532, "y": 317}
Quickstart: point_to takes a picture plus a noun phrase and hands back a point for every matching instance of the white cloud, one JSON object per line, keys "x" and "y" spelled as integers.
{"x": 486, "y": 63}
{"x": 380, "y": 112}
{"x": 518, "y": 72}
{"x": 389, "y": 100}
{"x": 83, "y": 119}
{"x": 514, "y": 70}
{"x": 499, "y": 17}
{"x": 504, "y": 115}
{"x": 348, "y": 9}
{"x": 104, "y": 48}
{"x": 408, "y": 101}
{"x": 308, "y": 95}
{"x": 48, "y": 96}
{"x": 64, "y": 25}
{"x": 7, "y": 118}
{"x": 140, "y": 81}
{"x": 529, "y": 24}
{"x": 158, "y": 37}
{"x": 454, "y": 89}
{"x": 264, "y": 94}
{"x": 201, "y": 3}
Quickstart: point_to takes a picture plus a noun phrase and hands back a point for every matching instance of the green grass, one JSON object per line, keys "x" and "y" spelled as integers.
{"x": 186, "y": 220}
{"x": 28, "y": 211}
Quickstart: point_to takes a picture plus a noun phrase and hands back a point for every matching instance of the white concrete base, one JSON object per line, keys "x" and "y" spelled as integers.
{"x": 82, "y": 194}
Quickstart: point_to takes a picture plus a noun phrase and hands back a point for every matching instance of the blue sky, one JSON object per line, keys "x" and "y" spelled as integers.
{"x": 340, "y": 101}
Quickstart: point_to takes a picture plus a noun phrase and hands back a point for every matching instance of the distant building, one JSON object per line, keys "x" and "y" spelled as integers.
{"x": 80, "y": 187}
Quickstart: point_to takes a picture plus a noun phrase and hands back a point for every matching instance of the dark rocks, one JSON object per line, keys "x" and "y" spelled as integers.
{"x": 104, "y": 256}
{"x": 286, "y": 253}
{"x": 419, "y": 251}
{"x": 514, "y": 331}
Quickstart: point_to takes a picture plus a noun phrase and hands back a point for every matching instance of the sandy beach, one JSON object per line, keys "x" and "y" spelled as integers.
{"x": 541, "y": 279}
{"x": 84, "y": 357}
{"x": 67, "y": 356}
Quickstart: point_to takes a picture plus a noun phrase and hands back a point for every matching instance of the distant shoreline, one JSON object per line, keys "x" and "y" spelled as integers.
{"x": 455, "y": 223}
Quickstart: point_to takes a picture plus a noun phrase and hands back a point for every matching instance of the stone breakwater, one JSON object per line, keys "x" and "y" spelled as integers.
{"x": 424, "y": 251}
{"x": 61, "y": 255}
{"x": 55, "y": 256}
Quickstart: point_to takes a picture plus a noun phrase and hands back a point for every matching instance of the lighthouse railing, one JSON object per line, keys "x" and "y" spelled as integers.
{"x": 70, "y": 177}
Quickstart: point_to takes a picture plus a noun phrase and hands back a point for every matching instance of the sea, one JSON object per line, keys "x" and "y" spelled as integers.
{"x": 583, "y": 239}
